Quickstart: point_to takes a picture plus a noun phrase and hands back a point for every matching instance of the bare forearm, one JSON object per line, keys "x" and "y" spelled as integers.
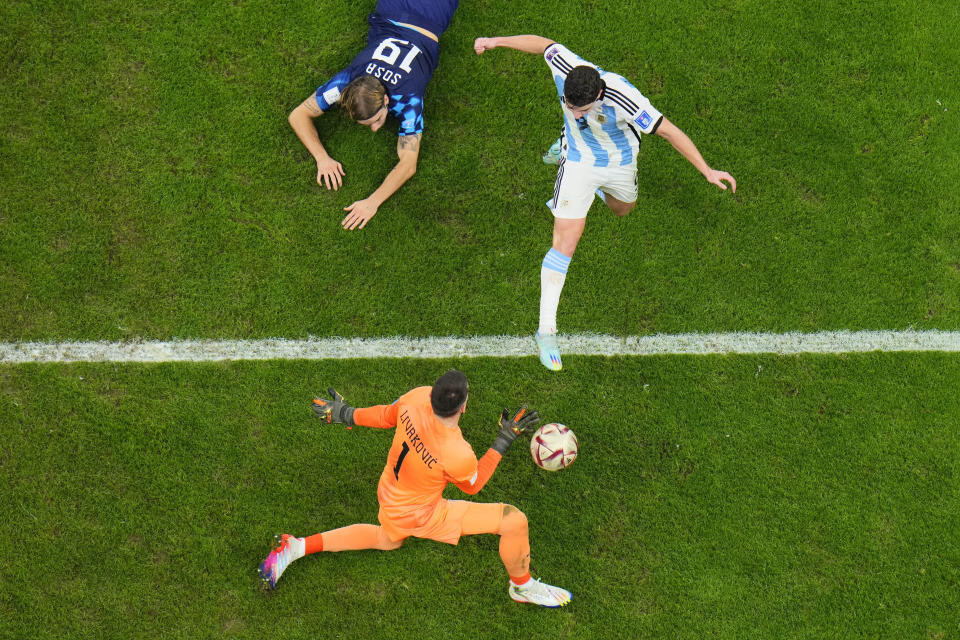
{"x": 526, "y": 43}
{"x": 402, "y": 172}
{"x": 684, "y": 145}
{"x": 689, "y": 151}
{"x": 408, "y": 150}
{"x": 302, "y": 125}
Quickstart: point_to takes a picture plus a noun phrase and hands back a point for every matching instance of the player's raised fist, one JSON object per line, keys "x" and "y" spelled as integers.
{"x": 483, "y": 44}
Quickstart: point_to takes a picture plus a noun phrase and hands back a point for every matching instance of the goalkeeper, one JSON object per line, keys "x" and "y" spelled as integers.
{"x": 427, "y": 453}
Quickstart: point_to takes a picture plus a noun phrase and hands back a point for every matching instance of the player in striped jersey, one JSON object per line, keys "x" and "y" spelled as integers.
{"x": 604, "y": 116}
{"x": 389, "y": 77}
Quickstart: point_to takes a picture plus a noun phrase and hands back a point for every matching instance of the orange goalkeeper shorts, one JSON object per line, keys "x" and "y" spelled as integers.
{"x": 450, "y": 520}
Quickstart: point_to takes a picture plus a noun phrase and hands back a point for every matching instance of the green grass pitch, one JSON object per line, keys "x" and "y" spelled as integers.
{"x": 151, "y": 188}
{"x": 714, "y": 497}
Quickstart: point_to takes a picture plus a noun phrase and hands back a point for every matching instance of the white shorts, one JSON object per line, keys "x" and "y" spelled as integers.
{"x": 576, "y": 183}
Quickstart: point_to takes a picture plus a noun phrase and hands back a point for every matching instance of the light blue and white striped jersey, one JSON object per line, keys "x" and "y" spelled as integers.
{"x": 609, "y": 135}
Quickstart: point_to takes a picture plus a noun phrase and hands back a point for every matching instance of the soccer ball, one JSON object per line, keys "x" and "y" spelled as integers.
{"x": 553, "y": 447}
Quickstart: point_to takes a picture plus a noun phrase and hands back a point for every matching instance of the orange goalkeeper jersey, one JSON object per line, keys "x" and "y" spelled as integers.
{"x": 424, "y": 457}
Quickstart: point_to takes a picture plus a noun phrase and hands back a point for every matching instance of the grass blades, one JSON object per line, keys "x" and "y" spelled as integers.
{"x": 153, "y": 188}
{"x": 721, "y": 496}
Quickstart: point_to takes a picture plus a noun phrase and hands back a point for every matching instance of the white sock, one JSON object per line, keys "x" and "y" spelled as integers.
{"x": 553, "y": 273}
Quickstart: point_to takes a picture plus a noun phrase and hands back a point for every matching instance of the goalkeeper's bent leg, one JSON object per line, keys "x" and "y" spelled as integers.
{"x": 354, "y": 537}
{"x": 510, "y": 524}
{"x": 515, "y": 544}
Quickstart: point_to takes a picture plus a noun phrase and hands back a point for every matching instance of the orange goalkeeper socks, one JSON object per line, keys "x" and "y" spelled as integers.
{"x": 314, "y": 543}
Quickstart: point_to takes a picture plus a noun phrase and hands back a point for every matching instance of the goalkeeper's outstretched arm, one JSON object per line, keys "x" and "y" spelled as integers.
{"x": 509, "y": 429}
{"x": 486, "y": 465}
{"x": 335, "y": 410}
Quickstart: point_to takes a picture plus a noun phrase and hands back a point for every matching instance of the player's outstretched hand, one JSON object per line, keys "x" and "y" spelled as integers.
{"x": 718, "y": 177}
{"x": 521, "y": 422}
{"x": 483, "y": 44}
{"x": 335, "y": 410}
{"x": 330, "y": 173}
{"x": 360, "y": 213}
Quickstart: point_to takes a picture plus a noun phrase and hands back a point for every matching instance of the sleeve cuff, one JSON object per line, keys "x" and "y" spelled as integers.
{"x": 657, "y": 125}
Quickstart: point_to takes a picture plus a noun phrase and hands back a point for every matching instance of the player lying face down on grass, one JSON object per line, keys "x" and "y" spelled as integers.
{"x": 428, "y": 452}
{"x": 387, "y": 78}
{"x": 604, "y": 117}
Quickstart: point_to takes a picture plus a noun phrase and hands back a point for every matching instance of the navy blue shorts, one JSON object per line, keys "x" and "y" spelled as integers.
{"x": 432, "y": 15}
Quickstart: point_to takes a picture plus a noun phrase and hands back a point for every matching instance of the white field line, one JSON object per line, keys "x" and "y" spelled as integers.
{"x": 825, "y": 342}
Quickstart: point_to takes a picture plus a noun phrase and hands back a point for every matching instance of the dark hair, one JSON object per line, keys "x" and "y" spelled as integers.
{"x": 582, "y": 86}
{"x": 449, "y": 393}
{"x": 363, "y": 97}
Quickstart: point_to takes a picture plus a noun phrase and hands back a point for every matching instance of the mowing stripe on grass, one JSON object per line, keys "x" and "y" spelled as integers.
{"x": 494, "y": 346}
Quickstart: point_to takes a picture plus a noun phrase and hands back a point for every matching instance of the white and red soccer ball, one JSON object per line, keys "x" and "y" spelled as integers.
{"x": 553, "y": 447}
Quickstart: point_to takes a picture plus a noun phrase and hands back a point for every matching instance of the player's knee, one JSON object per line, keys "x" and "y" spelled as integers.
{"x": 384, "y": 543}
{"x": 622, "y": 208}
{"x": 566, "y": 243}
{"x": 514, "y": 521}
{"x": 566, "y": 235}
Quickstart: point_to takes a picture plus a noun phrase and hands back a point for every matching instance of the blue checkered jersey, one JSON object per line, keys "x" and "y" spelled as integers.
{"x": 403, "y": 59}
{"x": 609, "y": 135}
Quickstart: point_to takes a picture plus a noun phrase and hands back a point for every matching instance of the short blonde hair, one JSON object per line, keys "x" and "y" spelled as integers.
{"x": 363, "y": 97}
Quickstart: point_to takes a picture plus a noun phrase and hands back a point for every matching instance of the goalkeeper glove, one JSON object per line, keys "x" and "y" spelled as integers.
{"x": 335, "y": 410}
{"x": 510, "y": 428}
